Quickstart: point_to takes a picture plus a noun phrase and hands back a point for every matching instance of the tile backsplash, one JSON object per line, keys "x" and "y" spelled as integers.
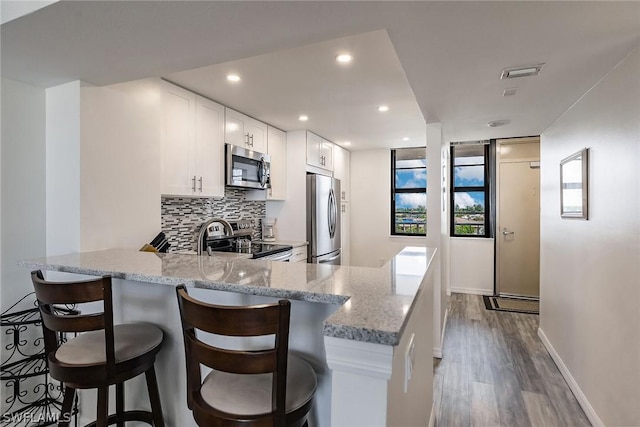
{"x": 181, "y": 217}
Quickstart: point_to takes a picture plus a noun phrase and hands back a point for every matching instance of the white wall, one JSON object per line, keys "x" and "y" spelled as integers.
{"x": 23, "y": 185}
{"x": 120, "y": 172}
{"x": 291, "y": 213}
{"x": 471, "y": 265}
{"x": 371, "y": 243}
{"x": 590, "y": 270}
{"x": 63, "y": 168}
{"x": 103, "y": 166}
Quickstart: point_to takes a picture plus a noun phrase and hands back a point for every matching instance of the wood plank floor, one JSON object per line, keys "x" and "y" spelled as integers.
{"x": 495, "y": 371}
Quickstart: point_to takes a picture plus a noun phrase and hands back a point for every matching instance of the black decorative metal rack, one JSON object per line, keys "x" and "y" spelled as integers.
{"x": 31, "y": 396}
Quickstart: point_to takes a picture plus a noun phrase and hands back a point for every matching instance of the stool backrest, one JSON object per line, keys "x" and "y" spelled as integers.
{"x": 238, "y": 321}
{"x": 55, "y": 321}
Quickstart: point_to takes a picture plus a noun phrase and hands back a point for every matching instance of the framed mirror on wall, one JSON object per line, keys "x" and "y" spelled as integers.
{"x": 574, "y": 185}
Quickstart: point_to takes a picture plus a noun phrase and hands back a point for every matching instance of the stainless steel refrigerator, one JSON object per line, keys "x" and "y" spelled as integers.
{"x": 323, "y": 219}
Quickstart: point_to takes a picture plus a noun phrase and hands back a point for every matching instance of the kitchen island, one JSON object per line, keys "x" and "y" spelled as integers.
{"x": 366, "y": 331}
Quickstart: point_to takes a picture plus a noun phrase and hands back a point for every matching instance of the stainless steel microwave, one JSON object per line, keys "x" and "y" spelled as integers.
{"x": 246, "y": 168}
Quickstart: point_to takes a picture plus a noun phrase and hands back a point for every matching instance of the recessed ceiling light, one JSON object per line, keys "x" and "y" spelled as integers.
{"x": 383, "y": 108}
{"x": 303, "y": 118}
{"x": 233, "y": 77}
{"x": 346, "y": 143}
{"x": 510, "y": 91}
{"x": 525, "y": 71}
{"x": 344, "y": 58}
{"x": 498, "y": 123}
{"x": 406, "y": 138}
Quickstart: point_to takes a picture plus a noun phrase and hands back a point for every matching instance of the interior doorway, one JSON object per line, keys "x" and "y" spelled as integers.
{"x": 518, "y": 217}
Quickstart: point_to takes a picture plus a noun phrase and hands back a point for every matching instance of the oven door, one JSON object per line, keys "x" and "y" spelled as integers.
{"x": 246, "y": 168}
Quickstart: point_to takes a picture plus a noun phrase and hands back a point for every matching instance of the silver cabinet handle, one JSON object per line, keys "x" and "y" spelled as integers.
{"x": 344, "y": 196}
{"x": 343, "y": 209}
{"x": 193, "y": 185}
{"x": 251, "y": 138}
{"x": 246, "y": 140}
{"x": 200, "y": 181}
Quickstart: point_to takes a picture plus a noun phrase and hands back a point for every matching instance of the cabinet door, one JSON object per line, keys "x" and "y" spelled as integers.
{"x": 277, "y": 149}
{"x": 326, "y": 154}
{"x": 177, "y": 157}
{"x": 257, "y": 135}
{"x": 314, "y": 144}
{"x": 341, "y": 170}
{"x": 234, "y": 128}
{"x": 209, "y": 148}
{"x": 345, "y": 234}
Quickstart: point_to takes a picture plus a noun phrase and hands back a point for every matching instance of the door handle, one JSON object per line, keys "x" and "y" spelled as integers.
{"x": 505, "y": 232}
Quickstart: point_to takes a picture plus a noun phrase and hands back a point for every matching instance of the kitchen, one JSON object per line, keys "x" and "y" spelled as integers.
{"x": 112, "y": 199}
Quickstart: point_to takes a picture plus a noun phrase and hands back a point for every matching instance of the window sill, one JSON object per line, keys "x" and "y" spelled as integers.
{"x": 470, "y": 238}
{"x": 398, "y": 236}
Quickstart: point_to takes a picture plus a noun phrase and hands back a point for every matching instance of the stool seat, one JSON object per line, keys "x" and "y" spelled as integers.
{"x": 130, "y": 341}
{"x": 251, "y": 394}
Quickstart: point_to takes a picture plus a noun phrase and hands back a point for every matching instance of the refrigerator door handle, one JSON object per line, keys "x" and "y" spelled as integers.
{"x": 324, "y": 261}
{"x": 332, "y": 213}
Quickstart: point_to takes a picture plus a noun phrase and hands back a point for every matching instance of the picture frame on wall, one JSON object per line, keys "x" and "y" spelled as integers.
{"x": 574, "y": 185}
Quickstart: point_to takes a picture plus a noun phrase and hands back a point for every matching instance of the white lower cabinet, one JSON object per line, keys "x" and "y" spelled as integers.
{"x": 192, "y": 159}
{"x": 299, "y": 254}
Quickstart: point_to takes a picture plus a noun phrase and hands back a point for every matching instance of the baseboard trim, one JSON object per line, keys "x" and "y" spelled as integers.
{"x": 573, "y": 385}
{"x": 432, "y": 417}
{"x": 472, "y": 291}
{"x": 437, "y": 351}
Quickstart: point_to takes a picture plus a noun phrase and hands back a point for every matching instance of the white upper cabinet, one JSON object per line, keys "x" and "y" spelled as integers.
{"x": 341, "y": 170}
{"x": 277, "y": 149}
{"x": 319, "y": 152}
{"x": 245, "y": 131}
{"x": 192, "y": 161}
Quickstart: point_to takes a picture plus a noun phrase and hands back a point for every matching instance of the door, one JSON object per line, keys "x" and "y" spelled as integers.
{"x": 518, "y": 231}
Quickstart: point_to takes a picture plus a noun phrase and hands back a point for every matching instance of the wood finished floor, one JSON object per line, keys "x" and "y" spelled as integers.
{"x": 495, "y": 371}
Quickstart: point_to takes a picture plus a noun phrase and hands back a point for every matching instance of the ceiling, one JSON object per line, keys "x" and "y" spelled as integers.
{"x": 428, "y": 61}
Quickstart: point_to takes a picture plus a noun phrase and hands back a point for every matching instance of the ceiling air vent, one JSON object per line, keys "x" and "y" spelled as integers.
{"x": 529, "y": 70}
{"x": 498, "y": 123}
{"x": 510, "y": 91}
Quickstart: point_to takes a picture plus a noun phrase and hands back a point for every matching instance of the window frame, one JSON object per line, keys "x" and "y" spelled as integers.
{"x": 395, "y": 191}
{"x": 486, "y": 189}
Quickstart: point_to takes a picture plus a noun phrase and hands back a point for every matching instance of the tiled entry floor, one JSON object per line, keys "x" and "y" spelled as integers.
{"x": 495, "y": 371}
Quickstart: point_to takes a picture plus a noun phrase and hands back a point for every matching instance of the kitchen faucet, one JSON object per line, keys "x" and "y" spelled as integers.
{"x": 203, "y": 228}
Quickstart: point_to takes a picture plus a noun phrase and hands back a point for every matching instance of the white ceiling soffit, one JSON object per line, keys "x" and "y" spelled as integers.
{"x": 452, "y": 53}
{"x": 341, "y": 100}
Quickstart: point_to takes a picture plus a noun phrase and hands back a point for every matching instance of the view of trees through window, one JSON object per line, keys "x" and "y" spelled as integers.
{"x": 470, "y": 190}
{"x": 409, "y": 191}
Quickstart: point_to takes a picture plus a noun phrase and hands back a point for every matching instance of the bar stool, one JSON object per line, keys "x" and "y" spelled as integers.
{"x": 266, "y": 387}
{"x": 103, "y": 355}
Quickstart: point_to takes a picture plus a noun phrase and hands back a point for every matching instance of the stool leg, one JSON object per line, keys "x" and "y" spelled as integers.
{"x": 120, "y": 404}
{"x": 67, "y": 403}
{"x": 103, "y": 407}
{"x": 154, "y": 397}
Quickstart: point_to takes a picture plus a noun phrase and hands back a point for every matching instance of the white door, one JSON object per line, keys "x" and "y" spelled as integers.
{"x": 177, "y": 141}
{"x": 209, "y": 148}
{"x": 518, "y": 231}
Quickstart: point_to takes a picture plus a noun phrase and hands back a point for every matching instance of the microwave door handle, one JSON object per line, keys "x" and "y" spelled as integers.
{"x": 262, "y": 173}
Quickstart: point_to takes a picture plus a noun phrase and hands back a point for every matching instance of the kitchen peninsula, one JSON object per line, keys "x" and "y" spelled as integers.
{"x": 366, "y": 331}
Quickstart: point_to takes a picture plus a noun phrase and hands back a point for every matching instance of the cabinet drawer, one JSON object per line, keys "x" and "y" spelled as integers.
{"x": 299, "y": 254}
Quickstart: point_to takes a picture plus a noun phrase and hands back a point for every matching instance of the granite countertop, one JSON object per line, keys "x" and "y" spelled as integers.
{"x": 375, "y": 302}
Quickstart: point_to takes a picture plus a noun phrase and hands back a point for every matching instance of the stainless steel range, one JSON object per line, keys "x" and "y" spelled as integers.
{"x": 219, "y": 235}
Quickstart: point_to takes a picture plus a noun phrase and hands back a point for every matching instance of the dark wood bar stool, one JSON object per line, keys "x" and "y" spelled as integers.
{"x": 266, "y": 387}
{"x": 102, "y": 355}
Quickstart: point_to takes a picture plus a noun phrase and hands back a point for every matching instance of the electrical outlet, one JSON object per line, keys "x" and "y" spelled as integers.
{"x": 409, "y": 360}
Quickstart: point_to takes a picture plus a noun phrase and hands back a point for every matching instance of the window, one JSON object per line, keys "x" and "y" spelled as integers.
{"x": 470, "y": 190}
{"x": 409, "y": 191}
